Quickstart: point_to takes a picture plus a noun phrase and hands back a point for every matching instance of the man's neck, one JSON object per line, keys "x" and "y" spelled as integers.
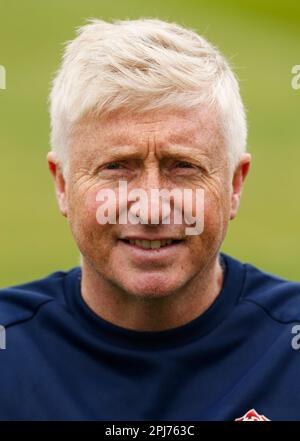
{"x": 151, "y": 314}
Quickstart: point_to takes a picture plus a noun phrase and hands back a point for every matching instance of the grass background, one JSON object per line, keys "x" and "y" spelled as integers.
{"x": 262, "y": 41}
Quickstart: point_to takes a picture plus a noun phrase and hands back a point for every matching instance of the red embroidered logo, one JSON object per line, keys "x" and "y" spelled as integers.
{"x": 252, "y": 415}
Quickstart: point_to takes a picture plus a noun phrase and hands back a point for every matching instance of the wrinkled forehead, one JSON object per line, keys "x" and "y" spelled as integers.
{"x": 197, "y": 129}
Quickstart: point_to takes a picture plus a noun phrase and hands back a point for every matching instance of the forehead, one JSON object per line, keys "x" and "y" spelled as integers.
{"x": 166, "y": 130}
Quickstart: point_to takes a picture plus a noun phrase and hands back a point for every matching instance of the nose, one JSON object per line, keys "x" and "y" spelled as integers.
{"x": 152, "y": 210}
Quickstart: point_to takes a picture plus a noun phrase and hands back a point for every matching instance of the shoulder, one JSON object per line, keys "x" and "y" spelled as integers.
{"x": 21, "y": 302}
{"x": 279, "y": 297}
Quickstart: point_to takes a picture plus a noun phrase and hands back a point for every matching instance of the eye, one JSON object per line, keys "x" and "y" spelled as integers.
{"x": 184, "y": 164}
{"x": 114, "y": 169}
{"x": 113, "y": 166}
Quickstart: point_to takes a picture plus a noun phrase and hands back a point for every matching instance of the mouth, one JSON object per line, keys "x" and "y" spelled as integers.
{"x": 152, "y": 244}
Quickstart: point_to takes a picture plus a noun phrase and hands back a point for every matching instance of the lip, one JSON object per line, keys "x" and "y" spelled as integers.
{"x": 151, "y": 254}
{"x": 149, "y": 238}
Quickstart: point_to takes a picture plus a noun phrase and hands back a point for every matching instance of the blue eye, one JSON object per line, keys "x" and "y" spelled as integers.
{"x": 185, "y": 164}
{"x": 113, "y": 166}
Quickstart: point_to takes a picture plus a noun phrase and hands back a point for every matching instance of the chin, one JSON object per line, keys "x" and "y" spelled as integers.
{"x": 151, "y": 286}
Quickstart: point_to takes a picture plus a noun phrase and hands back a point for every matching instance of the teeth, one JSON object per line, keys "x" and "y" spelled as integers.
{"x": 155, "y": 243}
{"x": 150, "y": 243}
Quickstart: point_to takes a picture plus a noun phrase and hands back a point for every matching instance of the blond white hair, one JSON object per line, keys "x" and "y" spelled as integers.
{"x": 140, "y": 65}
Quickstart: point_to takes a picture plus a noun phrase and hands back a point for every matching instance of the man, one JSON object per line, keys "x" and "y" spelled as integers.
{"x": 156, "y": 323}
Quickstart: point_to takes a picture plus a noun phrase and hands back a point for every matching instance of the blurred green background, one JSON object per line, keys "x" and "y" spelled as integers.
{"x": 262, "y": 41}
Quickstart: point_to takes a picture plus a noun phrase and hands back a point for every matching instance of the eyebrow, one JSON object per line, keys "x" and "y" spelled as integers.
{"x": 179, "y": 150}
{"x": 174, "y": 151}
{"x": 122, "y": 150}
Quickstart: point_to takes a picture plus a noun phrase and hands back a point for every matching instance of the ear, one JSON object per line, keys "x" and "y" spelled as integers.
{"x": 240, "y": 173}
{"x": 56, "y": 170}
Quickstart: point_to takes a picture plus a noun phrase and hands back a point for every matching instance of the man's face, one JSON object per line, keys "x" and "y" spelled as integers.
{"x": 181, "y": 149}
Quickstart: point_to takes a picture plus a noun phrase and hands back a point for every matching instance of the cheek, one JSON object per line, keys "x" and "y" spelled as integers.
{"x": 82, "y": 208}
{"x": 216, "y": 213}
{"x": 88, "y": 232}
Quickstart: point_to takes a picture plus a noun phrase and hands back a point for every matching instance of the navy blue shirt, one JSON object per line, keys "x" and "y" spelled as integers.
{"x": 63, "y": 362}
